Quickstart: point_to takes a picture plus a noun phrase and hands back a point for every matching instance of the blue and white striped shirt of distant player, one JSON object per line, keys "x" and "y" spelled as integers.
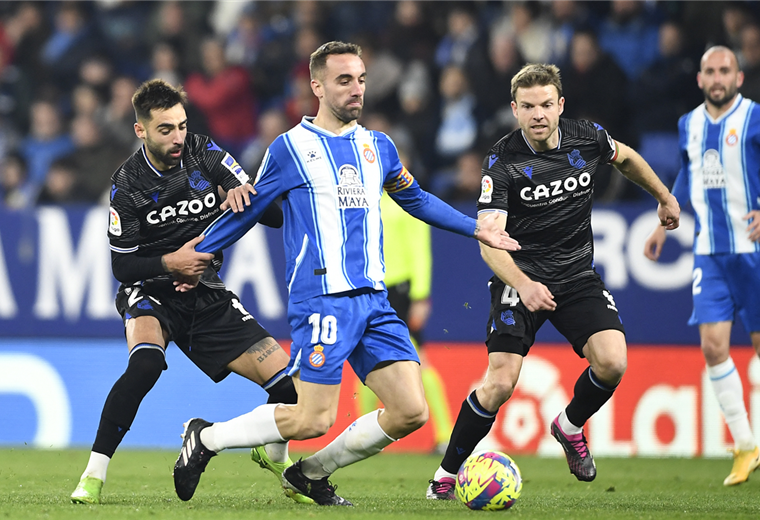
{"x": 720, "y": 172}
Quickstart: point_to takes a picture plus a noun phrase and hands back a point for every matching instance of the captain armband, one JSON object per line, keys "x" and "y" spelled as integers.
{"x": 403, "y": 180}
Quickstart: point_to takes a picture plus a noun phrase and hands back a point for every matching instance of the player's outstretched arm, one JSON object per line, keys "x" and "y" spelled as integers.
{"x": 489, "y": 232}
{"x": 432, "y": 210}
{"x": 654, "y": 242}
{"x": 239, "y": 197}
{"x": 534, "y": 295}
{"x": 635, "y": 168}
{"x": 186, "y": 261}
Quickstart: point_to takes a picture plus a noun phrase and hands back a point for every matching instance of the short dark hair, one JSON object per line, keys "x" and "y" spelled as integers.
{"x": 156, "y": 94}
{"x": 318, "y": 59}
{"x": 536, "y": 74}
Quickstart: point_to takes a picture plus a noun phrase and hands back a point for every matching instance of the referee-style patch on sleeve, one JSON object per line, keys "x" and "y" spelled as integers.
{"x": 114, "y": 223}
{"x": 486, "y": 189}
{"x": 232, "y": 165}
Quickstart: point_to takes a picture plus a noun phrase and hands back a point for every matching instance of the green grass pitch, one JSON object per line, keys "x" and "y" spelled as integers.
{"x": 36, "y": 484}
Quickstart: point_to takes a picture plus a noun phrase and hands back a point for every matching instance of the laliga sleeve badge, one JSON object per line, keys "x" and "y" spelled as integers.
{"x": 486, "y": 189}
{"x": 317, "y": 358}
{"x": 114, "y": 223}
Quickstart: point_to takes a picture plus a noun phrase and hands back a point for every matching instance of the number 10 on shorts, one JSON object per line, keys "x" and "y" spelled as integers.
{"x": 324, "y": 330}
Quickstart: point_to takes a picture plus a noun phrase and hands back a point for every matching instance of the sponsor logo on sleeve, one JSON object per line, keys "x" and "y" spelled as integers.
{"x": 486, "y": 189}
{"x": 114, "y": 223}
{"x": 232, "y": 165}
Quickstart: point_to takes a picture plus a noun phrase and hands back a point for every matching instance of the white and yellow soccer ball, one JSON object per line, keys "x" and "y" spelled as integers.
{"x": 488, "y": 481}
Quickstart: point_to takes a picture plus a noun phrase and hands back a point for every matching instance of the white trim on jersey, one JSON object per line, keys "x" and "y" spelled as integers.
{"x": 559, "y": 140}
{"x": 493, "y": 210}
{"x": 124, "y": 249}
{"x": 150, "y": 164}
{"x": 299, "y": 259}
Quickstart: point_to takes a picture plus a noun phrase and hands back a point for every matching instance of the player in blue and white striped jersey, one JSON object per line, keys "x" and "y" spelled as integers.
{"x": 720, "y": 177}
{"x": 331, "y": 173}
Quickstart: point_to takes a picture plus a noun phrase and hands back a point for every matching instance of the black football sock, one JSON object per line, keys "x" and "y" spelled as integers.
{"x": 473, "y": 424}
{"x": 281, "y": 389}
{"x": 589, "y": 395}
{"x": 146, "y": 362}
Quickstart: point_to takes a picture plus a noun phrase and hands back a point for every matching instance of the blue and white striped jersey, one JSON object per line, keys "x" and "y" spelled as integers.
{"x": 331, "y": 187}
{"x": 720, "y": 175}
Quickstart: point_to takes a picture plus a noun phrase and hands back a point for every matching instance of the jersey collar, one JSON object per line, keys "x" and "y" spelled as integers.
{"x": 559, "y": 141}
{"x": 308, "y": 123}
{"x": 725, "y": 114}
{"x": 150, "y": 164}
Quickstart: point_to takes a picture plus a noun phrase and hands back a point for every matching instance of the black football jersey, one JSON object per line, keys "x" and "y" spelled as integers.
{"x": 547, "y": 197}
{"x": 156, "y": 212}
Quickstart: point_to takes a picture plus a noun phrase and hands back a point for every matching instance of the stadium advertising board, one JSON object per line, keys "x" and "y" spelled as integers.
{"x": 55, "y": 278}
{"x": 52, "y": 391}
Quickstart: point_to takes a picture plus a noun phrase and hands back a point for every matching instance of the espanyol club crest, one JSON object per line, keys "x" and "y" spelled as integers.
{"x": 732, "y": 138}
{"x": 317, "y": 358}
{"x": 368, "y": 154}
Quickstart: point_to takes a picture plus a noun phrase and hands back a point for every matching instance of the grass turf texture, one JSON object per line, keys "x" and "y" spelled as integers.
{"x": 37, "y": 484}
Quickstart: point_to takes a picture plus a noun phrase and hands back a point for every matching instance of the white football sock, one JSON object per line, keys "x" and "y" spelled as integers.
{"x": 362, "y": 439}
{"x": 728, "y": 389}
{"x": 277, "y": 451}
{"x": 442, "y": 473}
{"x": 255, "y": 428}
{"x": 567, "y": 427}
{"x": 97, "y": 466}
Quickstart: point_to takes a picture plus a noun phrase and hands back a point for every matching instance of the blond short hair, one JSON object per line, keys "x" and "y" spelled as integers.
{"x": 536, "y": 74}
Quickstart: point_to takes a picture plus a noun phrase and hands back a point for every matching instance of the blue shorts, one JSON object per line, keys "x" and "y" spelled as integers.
{"x": 359, "y": 326}
{"x": 725, "y": 285}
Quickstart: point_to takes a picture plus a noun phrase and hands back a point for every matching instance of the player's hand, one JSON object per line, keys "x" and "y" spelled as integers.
{"x": 186, "y": 283}
{"x": 536, "y": 296}
{"x": 754, "y": 225}
{"x": 419, "y": 312}
{"x": 654, "y": 242}
{"x": 492, "y": 234}
{"x": 186, "y": 261}
{"x": 238, "y": 198}
{"x": 669, "y": 212}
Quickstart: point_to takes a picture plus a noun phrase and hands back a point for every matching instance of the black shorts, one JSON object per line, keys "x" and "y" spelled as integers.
{"x": 210, "y": 326}
{"x": 584, "y": 307}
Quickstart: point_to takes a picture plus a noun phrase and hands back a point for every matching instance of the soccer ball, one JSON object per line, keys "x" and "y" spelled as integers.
{"x": 488, "y": 481}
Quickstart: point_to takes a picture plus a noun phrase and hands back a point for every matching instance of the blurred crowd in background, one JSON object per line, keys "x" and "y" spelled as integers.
{"x": 438, "y": 79}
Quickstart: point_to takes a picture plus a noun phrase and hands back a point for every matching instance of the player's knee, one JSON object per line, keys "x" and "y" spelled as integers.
{"x": 497, "y": 392}
{"x": 714, "y": 352}
{"x": 611, "y": 370}
{"x": 411, "y": 417}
